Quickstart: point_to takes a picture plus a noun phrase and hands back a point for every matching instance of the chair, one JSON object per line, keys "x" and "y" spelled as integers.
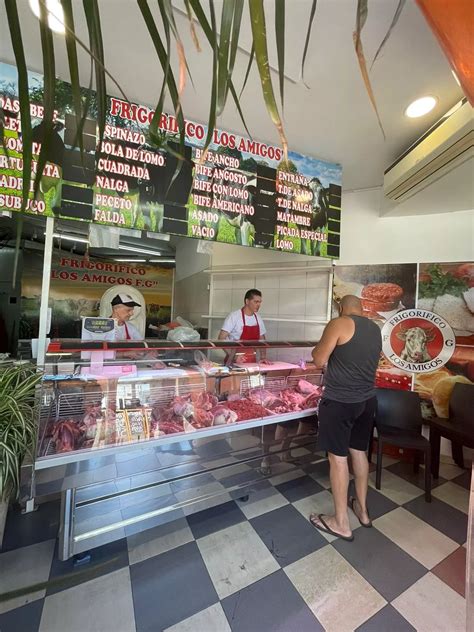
{"x": 459, "y": 427}
{"x": 399, "y": 422}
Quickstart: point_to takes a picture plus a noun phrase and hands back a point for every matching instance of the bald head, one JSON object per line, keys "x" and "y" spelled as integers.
{"x": 350, "y": 304}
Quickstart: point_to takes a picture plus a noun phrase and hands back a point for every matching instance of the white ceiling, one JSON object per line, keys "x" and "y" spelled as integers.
{"x": 332, "y": 120}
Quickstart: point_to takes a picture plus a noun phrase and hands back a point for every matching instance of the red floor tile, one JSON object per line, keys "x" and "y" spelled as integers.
{"x": 452, "y": 570}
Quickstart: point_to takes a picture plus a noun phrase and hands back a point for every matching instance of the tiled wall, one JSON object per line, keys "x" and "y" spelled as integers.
{"x": 289, "y": 295}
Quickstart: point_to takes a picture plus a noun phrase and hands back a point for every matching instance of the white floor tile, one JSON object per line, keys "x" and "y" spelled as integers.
{"x": 396, "y": 488}
{"x": 453, "y": 495}
{"x": 25, "y": 567}
{"x": 103, "y": 604}
{"x": 261, "y": 501}
{"x": 151, "y": 542}
{"x": 335, "y": 592}
{"x": 420, "y": 540}
{"x": 211, "y": 619}
{"x": 449, "y": 470}
{"x": 430, "y": 605}
{"x": 322, "y": 503}
{"x": 235, "y": 558}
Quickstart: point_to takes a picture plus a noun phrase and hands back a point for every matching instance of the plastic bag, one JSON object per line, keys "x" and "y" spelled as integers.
{"x": 183, "y": 334}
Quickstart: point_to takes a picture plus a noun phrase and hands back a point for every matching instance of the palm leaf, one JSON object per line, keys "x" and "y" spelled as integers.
{"x": 73, "y": 69}
{"x": 191, "y": 26}
{"x": 259, "y": 32}
{"x": 24, "y": 98}
{"x": 397, "y": 13}
{"x": 206, "y": 27}
{"x": 49, "y": 82}
{"x": 280, "y": 44}
{"x": 308, "y": 36}
{"x": 249, "y": 66}
{"x": 361, "y": 18}
{"x": 238, "y": 10}
{"x": 215, "y": 59}
{"x": 227, "y": 17}
{"x": 91, "y": 10}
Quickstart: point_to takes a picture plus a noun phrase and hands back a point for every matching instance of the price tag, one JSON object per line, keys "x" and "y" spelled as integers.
{"x": 256, "y": 381}
{"x": 137, "y": 424}
{"x": 121, "y": 427}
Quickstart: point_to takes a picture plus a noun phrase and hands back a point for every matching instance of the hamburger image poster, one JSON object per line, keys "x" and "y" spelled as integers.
{"x": 447, "y": 289}
{"x": 384, "y": 290}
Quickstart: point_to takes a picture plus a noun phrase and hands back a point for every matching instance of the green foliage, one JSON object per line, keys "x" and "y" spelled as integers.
{"x": 441, "y": 283}
{"x": 17, "y": 424}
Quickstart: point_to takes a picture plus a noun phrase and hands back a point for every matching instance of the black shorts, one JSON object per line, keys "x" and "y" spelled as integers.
{"x": 343, "y": 426}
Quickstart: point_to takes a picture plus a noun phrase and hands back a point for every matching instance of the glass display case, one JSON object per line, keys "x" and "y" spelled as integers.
{"x": 101, "y": 396}
{"x": 136, "y": 434}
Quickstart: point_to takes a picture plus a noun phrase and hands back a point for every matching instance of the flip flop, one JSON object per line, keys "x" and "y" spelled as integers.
{"x": 327, "y": 529}
{"x": 351, "y": 502}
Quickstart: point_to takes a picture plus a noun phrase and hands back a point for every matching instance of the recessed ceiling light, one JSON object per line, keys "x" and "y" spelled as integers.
{"x": 420, "y": 107}
{"x": 55, "y": 11}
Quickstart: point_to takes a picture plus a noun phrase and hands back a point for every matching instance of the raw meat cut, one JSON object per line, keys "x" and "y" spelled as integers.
{"x": 66, "y": 435}
{"x": 246, "y": 409}
{"x": 223, "y": 415}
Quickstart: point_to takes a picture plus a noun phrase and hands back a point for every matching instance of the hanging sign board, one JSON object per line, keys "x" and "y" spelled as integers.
{"x": 243, "y": 192}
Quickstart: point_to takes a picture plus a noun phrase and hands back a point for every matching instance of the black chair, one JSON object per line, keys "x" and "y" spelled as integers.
{"x": 459, "y": 427}
{"x": 399, "y": 422}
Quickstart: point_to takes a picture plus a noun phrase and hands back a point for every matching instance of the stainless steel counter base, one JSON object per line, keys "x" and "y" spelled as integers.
{"x": 106, "y": 498}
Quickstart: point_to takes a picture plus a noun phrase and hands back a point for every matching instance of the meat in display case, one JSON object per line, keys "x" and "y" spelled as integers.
{"x": 136, "y": 434}
{"x": 147, "y": 391}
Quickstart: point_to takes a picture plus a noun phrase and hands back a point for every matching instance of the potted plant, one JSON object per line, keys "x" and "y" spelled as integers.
{"x": 17, "y": 429}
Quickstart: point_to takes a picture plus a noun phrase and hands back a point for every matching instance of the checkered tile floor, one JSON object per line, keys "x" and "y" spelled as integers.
{"x": 257, "y": 565}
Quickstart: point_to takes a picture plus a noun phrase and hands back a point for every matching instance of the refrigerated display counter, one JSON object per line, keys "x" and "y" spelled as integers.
{"x": 137, "y": 434}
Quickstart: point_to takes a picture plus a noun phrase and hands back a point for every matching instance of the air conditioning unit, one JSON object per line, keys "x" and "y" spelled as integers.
{"x": 445, "y": 146}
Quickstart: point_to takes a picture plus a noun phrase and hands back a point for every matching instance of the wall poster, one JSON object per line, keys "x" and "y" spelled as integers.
{"x": 436, "y": 305}
{"x": 243, "y": 193}
{"x": 77, "y": 286}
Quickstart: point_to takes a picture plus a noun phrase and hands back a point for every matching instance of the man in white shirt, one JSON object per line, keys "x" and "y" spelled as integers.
{"x": 246, "y": 324}
{"x": 122, "y": 310}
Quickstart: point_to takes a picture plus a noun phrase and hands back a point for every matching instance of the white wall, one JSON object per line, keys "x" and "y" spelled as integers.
{"x": 368, "y": 238}
{"x": 188, "y": 260}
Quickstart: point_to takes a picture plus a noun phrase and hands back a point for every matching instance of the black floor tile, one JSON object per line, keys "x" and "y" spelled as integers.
{"x": 441, "y": 516}
{"x": 273, "y": 604}
{"x": 386, "y": 620}
{"x": 464, "y": 480}
{"x": 37, "y": 526}
{"x": 377, "y": 503}
{"x": 104, "y": 559}
{"x": 24, "y": 619}
{"x": 215, "y": 519}
{"x": 299, "y": 488}
{"x": 318, "y": 468}
{"x": 287, "y": 534}
{"x": 365, "y": 554}
{"x": 170, "y": 587}
{"x": 405, "y": 470}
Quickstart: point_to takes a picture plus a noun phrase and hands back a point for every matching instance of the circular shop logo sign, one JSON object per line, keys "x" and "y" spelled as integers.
{"x": 418, "y": 341}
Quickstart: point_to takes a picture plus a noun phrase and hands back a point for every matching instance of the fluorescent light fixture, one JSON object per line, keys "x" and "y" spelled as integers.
{"x": 420, "y": 107}
{"x": 456, "y": 78}
{"x": 55, "y": 11}
{"x": 161, "y": 260}
{"x": 131, "y": 260}
{"x": 141, "y": 251}
{"x": 82, "y": 240}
